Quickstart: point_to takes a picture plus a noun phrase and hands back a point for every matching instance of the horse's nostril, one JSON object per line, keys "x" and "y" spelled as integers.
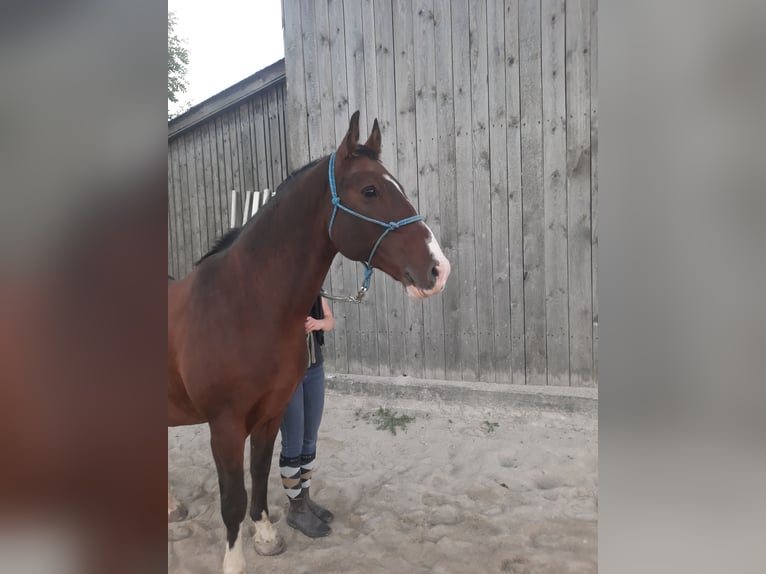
{"x": 435, "y": 271}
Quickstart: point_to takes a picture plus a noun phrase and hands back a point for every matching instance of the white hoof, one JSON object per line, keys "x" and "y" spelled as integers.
{"x": 268, "y": 541}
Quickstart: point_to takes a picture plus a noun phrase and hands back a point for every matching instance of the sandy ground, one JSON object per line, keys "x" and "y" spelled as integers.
{"x": 446, "y": 495}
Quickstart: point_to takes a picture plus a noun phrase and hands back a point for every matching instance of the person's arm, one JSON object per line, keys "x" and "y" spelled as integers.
{"x": 326, "y": 324}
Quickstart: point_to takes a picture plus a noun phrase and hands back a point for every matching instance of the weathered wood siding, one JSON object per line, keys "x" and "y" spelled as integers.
{"x": 488, "y": 114}
{"x": 234, "y": 141}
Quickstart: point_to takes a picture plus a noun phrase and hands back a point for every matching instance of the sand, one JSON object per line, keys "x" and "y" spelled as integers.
{"x": 461, "y": 490}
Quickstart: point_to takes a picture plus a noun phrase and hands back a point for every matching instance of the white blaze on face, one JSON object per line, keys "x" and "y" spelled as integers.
{"x": 442, "y": 265}
{"x": 234, "y": 559}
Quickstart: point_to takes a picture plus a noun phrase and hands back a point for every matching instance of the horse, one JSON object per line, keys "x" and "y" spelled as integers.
{"x": 236, "y": 337}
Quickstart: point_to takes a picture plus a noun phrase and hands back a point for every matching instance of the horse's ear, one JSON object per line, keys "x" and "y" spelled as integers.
{"x": 350, "y": 141}
{"x": 373, "y": 142}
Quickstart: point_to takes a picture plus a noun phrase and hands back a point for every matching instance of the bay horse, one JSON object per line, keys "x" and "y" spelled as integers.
{"x": 236, "y": 337}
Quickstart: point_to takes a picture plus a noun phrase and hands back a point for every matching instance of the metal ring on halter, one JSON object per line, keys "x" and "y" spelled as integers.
{"x": 345, "y": 298}
{"x": 391, "y": 226}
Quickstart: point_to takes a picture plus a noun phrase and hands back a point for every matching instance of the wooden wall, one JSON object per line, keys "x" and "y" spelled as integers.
{"x": 488, "y": 111}
{"x": 234, "y": 141}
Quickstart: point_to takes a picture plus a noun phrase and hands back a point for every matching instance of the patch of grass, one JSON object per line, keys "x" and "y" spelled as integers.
{"x": 385, "y": 419}
{"x": 489, "y": 427}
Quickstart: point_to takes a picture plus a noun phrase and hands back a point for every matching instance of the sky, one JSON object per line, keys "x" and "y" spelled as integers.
{"x": 228, "y": 40}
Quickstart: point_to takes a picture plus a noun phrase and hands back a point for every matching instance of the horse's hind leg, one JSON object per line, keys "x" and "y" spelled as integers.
{"x": 227, "y": 439}
{"x": 268, "y": 541}
{"x": 176, "y": 510}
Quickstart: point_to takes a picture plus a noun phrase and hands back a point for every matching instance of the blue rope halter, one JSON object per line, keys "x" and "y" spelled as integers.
{"x": 389, "y": 227}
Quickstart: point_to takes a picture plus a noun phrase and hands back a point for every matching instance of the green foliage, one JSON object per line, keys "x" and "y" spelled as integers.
{"x": 178, "y": 60}
{"x": 385, "y": 419}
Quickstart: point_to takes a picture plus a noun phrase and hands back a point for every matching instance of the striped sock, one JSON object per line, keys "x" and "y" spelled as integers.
{"x": 290, "y": 470}
{"x": 307, "y": 462}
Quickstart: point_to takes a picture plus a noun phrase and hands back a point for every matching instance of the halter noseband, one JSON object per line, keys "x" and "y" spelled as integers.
{"x": 390, "y": 226}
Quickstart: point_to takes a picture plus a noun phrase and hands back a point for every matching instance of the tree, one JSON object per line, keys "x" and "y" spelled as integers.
{"x": 178, "y": 59}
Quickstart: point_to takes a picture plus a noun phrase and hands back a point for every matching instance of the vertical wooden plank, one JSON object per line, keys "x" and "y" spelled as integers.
{"x": 191, "y": 194}
{"x": 393, "y": 322}
{"x": 220, "y": 196}
{"x": 374, "y": 313}
{"x": 554, "y": 174}
{"x": 407, "y": 162}
{"x": 594, "y": 175}
{"x": 172, "y": 244}
{"x": 233, "y": 210}
{"x": 324, "y": 76}
{"x": 173, "y": 253}
{"x": 246, "y": 148}
{"x": 182, "y": 211}
{"x": 498, "y": 197}
{"x": 516, "y": 237}
{"x": 221, "y": 193}
{"x": 256, "y": 202}
{"x": 427, "y": 165}
{"x": 269, "y": 152}
{"x": 340, "y": 121}
{"x": 185, "y": 195}
{"x": 578, "y": 187}
{"x": 447, "y": 190}
{"x": 481, "y": 186}
{"x": 297, "y": 149}
{"x": 466, "y": 259}
{"x": 171, "y": 266}
{"x": 257, "y": 147}
{"x": 236, "y": 166}
{"x": 311, "y": 67}
{"x": 355, "y": 72}
{"x": 374, "y": 338}
{"x": 246, "y": 206}
{"x": 532, "y": 190}
{"x": 227, "y": 163}
{"x": 326, "y": 127}
{"x": 211, "y": 207}
{"x": 354, "y": 44}
{"x": 261, "y": 144}
{"x": 274, "y": 141}
{"x": 369, "y": 56}
{"x": 201, "y": 191}
{"x": 281, "y": 102}
{"x": 225, "y": 190}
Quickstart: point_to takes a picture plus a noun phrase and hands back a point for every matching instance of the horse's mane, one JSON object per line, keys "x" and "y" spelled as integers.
{"x": 362, "y": 150}
{"x": 223, "y": 243}
{"x": 228, "y": 238}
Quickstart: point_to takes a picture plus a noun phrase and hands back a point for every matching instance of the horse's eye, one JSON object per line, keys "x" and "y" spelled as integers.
{"x": 369, "y": 192}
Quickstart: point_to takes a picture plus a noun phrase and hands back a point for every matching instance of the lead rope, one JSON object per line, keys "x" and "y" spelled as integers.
{"x": 311, "y": 347}
{"x": 390, "y": 226}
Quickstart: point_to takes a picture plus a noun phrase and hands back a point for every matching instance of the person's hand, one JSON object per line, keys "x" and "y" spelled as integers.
{"x": 312, "y": 325}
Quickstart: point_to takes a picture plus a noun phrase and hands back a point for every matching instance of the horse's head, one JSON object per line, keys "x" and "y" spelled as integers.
{"x": 398, "y": 243}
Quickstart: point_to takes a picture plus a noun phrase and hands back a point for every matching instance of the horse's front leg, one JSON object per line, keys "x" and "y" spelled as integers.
{"x": 227, "y": 439}
{"x": 268, "y": 541}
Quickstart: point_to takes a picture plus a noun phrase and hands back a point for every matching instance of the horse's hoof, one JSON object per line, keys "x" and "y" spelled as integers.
{"x": 272, "y": 547}
{"x": 178, "y": 513}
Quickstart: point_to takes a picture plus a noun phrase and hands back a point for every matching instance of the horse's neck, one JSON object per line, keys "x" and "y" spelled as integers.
{"x": 290, "y": 242}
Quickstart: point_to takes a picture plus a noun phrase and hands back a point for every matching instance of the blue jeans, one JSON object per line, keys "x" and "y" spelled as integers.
{"x": 300, "y": 425}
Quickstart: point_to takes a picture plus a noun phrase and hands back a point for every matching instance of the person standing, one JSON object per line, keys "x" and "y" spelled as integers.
{"x": 299, "y": 430}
